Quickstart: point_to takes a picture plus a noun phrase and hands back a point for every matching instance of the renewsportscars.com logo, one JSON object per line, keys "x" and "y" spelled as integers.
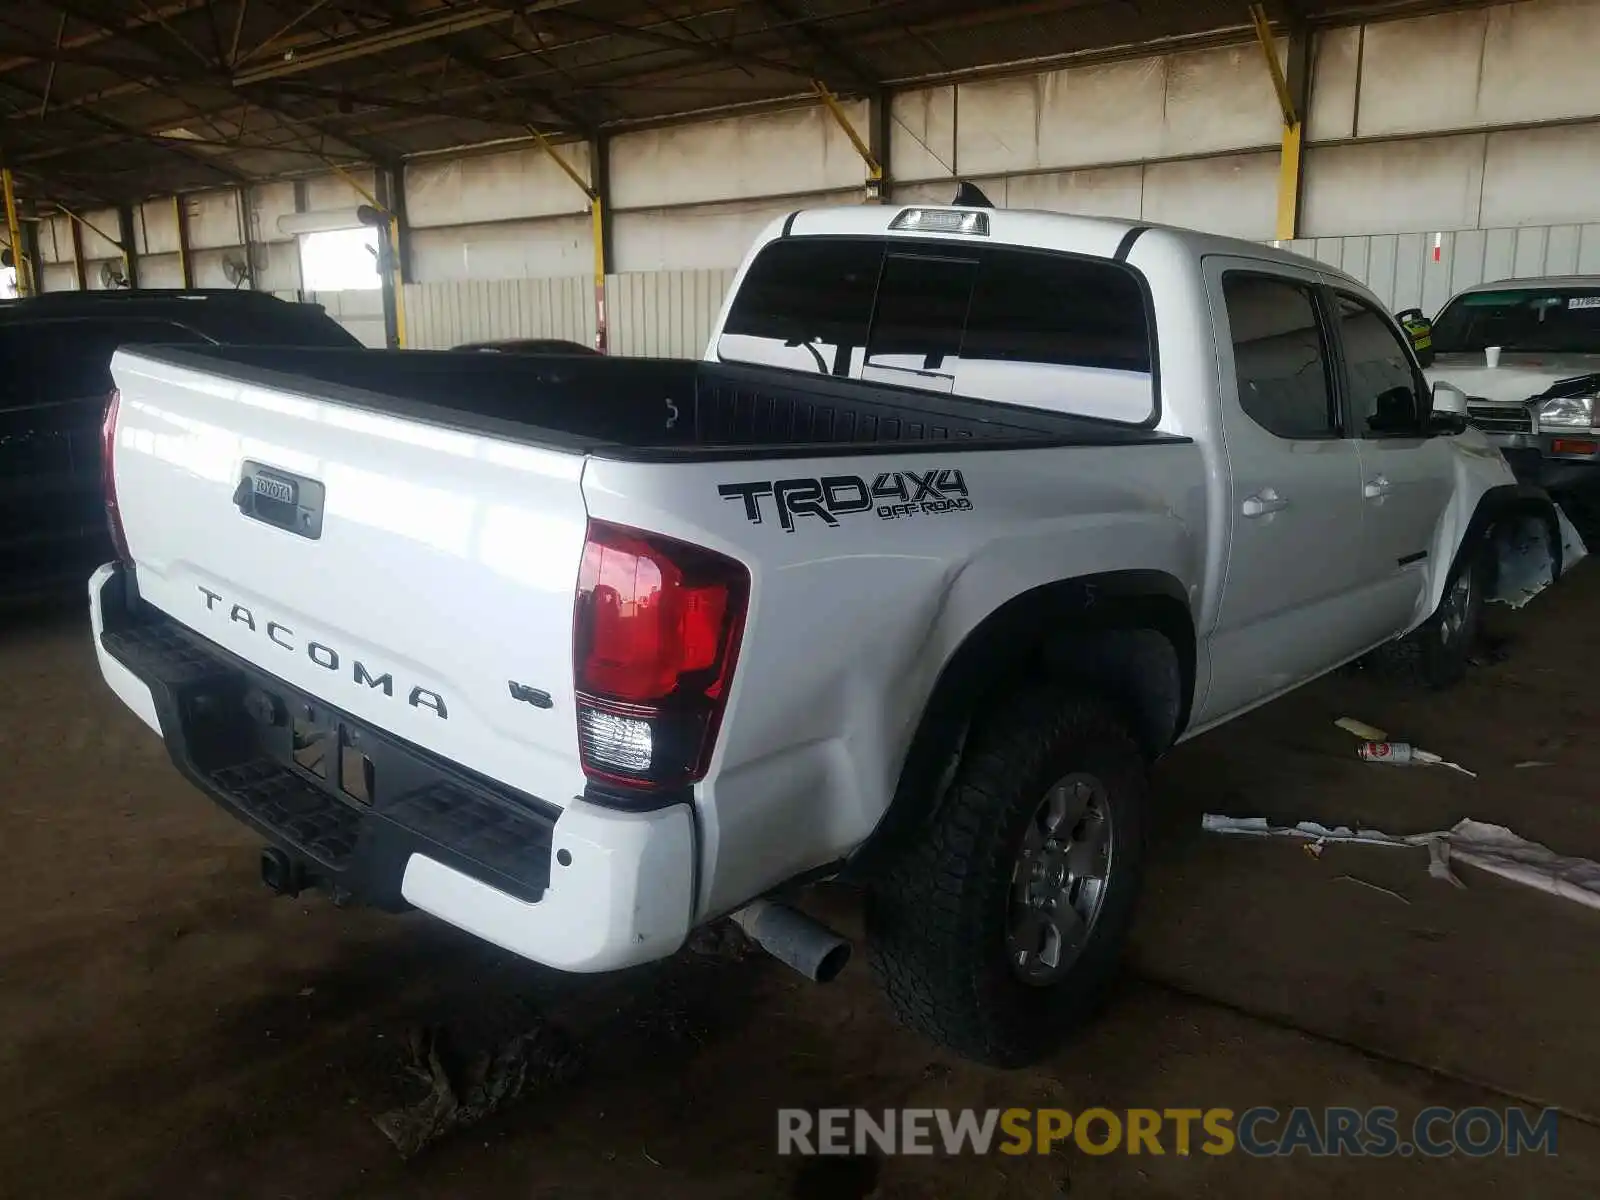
{"x": 1260, "y": 1132}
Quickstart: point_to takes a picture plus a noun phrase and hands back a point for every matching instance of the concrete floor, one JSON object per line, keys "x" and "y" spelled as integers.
{"x": 167, "y": 1027}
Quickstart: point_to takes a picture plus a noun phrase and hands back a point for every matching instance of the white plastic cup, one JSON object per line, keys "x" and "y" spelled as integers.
{"x": 1491, "y": 356}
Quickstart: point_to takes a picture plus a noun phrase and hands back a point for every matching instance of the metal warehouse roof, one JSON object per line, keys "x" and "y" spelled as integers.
{"x": 109, "y": 100}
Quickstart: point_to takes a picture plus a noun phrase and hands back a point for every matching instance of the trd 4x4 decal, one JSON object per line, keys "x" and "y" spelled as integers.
{"x": 892, "y": 494}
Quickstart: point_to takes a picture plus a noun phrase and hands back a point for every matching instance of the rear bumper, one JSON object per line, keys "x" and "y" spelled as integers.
{"x": 580, "y": 888}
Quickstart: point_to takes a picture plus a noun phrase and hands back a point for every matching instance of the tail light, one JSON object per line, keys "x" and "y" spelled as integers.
{"x": 108, "y": 476}
{"x": 656, "y": 632}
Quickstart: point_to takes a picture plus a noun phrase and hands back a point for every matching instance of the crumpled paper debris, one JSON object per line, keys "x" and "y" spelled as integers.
{"x": 1492, "y": 848}
{"x": 1495, "y": 849}
{"x": 1439, "y": 863}
{"x": 1307, "y": 830}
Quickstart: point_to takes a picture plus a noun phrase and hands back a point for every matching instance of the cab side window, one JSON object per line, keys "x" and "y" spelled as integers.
{"x": 1280, "y": 356}
{"x": 1386, "y": 398}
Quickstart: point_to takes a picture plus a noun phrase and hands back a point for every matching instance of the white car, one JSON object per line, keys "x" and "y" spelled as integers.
{"x": 1527, "y": 353}
{"x": 965, "y": 518}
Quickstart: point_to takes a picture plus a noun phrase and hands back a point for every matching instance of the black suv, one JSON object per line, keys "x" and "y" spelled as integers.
{"x": 55, "y": 378}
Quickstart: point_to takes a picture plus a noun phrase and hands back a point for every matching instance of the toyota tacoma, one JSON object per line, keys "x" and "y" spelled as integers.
{"x": 965, "y": 517}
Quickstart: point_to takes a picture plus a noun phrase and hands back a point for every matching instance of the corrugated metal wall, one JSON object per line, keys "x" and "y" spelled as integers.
{"x": 441, "y": 315}
{"x": 670, "y": 314}
{"x": 664, "y": 314}
{"x": 1401, "y": 269}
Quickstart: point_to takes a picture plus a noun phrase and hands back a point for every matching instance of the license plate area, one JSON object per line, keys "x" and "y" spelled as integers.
{"x": 329, "y": 749}
{"x": 353, "y": 800}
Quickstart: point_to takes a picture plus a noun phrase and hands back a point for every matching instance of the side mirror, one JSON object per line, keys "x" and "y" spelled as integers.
{"x": 1449, "y": 400}
{"x": 1420, "y": 330}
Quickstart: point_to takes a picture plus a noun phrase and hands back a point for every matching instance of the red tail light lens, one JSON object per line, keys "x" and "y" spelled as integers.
{"x": 656, "y": 634}
{"x": 108, "y": 476}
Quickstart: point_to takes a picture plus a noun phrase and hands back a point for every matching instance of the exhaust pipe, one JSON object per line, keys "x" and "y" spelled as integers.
{"x": 281, "y": 873}
{"x": 795, "y": 939}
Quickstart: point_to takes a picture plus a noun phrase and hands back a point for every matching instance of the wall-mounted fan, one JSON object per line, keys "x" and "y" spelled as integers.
{"x": 236, "y": 270}
{"x": 112, "y": 276}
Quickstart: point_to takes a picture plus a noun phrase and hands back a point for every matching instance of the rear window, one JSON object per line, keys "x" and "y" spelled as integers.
{"x": 994, "y": 323}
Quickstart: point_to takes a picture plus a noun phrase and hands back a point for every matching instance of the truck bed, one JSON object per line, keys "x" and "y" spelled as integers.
{"x": 646, "y": 409}
{"x": 410, "y": 552}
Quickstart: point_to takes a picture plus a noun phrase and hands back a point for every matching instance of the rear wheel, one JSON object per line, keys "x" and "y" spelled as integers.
{"x": 995, "y": 928}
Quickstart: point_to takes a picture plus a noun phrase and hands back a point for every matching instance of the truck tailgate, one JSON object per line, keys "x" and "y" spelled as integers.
{"x": 419, "y": 578}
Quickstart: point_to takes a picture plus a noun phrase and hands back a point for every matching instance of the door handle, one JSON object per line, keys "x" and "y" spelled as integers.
{"x": 1263, "y": 502}
{"x": 1376, "y": 488}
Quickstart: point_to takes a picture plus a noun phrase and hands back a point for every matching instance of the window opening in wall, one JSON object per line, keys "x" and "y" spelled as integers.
{"x": 340, "y": 260}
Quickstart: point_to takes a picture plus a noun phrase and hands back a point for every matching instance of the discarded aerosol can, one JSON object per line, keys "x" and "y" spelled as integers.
{"x": 1404, "y": 754}
{"x": 1396, "y": 754}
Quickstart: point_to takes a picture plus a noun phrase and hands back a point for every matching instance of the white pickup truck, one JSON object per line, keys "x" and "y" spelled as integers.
{"x": 965, "y": 518}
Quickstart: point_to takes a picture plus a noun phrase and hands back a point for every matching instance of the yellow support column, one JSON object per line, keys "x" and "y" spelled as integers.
{"x": 19, "y": 260}
{"x": 1289, "y": 184}
{"x": 397, "y": 280}
{"x": 874, "y": 167}
{"x": 1290, "y": 91}
{"x": 597, "y": 220}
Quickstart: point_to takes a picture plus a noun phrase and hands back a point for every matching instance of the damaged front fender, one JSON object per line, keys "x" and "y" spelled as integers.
{"x": 1533, "y": 542}
{"x": 1526, "y": 561}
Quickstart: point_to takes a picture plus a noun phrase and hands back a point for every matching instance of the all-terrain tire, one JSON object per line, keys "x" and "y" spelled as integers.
{"x": 1435, "y": 654}
{"x": 938, "y": 906}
